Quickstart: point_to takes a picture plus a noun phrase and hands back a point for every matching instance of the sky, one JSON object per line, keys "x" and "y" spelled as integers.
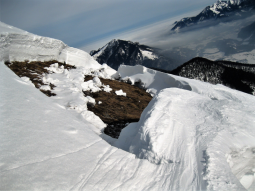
{"x": 90, "y": 24}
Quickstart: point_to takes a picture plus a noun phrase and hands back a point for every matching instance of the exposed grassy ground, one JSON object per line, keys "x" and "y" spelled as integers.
{"x": 117, "y": 111}
{"x": 34, "y": 71}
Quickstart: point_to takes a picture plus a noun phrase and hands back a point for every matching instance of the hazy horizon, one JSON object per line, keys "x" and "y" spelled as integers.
{"x": 88, "y": 24}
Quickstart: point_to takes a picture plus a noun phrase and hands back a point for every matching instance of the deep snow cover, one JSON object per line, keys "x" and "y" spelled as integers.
{"x": 191, "y": 136}
{"x": 19, "y": 45}
{"x": 205, "y": 124}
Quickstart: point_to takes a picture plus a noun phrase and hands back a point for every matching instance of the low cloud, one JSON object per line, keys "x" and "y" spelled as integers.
{"x": 201, "y": 40}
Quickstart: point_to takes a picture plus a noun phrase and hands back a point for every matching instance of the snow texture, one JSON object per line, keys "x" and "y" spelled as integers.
{"x": 70, "y": 86}
{"x": 18, "y": 45}
{"x": 120, "y": 93}
{"x": 181, "y": 127}
{"x": 191, "y": 136}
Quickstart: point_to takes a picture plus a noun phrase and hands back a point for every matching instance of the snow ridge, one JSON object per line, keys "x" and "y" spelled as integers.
{"x": 194, "y": 125}
{"x": 18, "y": 45}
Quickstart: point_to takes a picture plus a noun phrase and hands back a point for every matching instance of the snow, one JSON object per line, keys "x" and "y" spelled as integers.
{"x": 120, "y": 93}
{"x": 37, "y": 135}
{"x": 26, "y": 79}
{"x": 18, "y": 45}
{"x": 45, "y": 87}
{"x": 148, "y": 55}
{"x": 91, "y": 100}
{"x": 151, "y": 80}
{"x": 107, "y": 89}
{"x": 247, "y": 180}
{"x": 90, "y": 85}
{"x": 191, "y": 136}
{"x": 108, "y": 46}
{"x": 177, "y": 130}
{"x": 99, "y": 52}
{"x": 70, "y": 86}
{"x": 219, "y": 5}
{"x": 181, "y": 127}
{"x": 242, "y": 163}
{"x": 236, "y": 2}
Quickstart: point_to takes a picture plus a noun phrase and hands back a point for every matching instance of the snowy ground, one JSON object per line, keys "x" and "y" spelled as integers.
{"x": 194, "y": 122}
{"x": 192, "y": 135}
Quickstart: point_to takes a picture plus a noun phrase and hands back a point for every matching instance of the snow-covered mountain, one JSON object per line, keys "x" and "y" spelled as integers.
{"x": 232, "y": 41}
{"x": 218, "y": 11}
{"x": 192, "y": 136}
{"x": 118, "y": 52}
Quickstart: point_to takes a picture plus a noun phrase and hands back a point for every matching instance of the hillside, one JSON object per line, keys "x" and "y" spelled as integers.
{"x": 234, "y": 75}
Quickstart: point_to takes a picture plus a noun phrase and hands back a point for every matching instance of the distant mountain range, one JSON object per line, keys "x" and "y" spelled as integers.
{"x": 118, "y": 52}
{"x": 217, "y": 12}
{"x": 234, "y": 41}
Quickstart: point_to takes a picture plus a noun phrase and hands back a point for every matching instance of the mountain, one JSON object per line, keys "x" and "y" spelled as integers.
{"x": 218, "y": 12}
{"x": 118, "y": 52}
{"x": 232, "y": 41}
{"x": 191, "y": 136}
{"x": 234, "y": 75}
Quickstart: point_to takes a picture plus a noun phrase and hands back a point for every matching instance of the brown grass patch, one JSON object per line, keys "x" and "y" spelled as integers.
{"x": 116, "y": 110}
{"x": 34, "y": 71}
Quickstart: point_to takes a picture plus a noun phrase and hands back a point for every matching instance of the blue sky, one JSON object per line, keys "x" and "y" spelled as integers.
{"x": 89, "y": 24}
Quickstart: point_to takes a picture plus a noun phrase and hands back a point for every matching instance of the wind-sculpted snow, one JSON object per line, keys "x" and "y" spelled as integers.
{"x": 150, "y": 79}
{"x": 181, "y": 139}
{"x": 194, "y": 129}
{"x": 18, "y": 45}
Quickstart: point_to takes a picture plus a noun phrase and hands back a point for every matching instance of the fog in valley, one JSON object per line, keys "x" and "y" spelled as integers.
{"x": 215, "y": 41}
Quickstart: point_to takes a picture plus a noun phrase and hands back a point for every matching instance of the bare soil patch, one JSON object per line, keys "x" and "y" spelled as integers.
{"x": 118, "y": 111}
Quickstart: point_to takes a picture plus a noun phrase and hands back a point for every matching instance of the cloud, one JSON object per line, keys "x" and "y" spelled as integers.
{"x": 217, "y": 41}
{"x": 150, "y": 34}
{"x": 80, "y": 22}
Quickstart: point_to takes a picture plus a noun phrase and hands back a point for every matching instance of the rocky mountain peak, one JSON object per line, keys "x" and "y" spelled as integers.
{"x": 220, "y": 9}
{"x": 118, "y": 52}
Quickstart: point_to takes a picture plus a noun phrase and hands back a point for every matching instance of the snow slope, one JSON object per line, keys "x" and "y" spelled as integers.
{"x": 193, "y": 130}
{"x": 187, "y": 138}
{"x": 191, "y": 136}
{"x": 19, "y": 45}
